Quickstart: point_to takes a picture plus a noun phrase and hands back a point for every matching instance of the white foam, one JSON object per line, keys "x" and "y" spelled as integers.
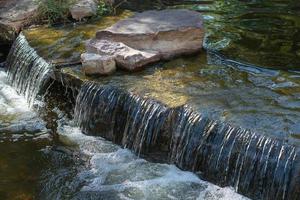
{"x": 15, "y": 114}
{"x": 116, "y": 170}
{"x": 10, "y": 101}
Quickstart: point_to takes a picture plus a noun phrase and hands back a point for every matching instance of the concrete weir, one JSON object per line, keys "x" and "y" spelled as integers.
{"x": 256, "y": 165}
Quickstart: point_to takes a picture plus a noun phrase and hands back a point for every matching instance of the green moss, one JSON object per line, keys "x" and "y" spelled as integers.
{"x": 7, "y": 118}
{"x": 76, "y": 75}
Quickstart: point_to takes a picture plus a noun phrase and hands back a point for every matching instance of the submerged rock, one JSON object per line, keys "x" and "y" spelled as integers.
{"x": 83, "y": 8}
{"x": 150, "y": 36}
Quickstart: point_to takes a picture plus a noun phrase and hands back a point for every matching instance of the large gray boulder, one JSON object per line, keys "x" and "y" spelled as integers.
{"x": 149, "y": 37}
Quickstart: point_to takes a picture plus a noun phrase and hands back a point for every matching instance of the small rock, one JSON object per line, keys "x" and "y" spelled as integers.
{"x": 94, "y": 64}
{"x": 83, "y": 8}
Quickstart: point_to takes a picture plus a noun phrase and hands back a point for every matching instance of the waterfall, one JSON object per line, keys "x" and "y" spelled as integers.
{"x": 27, "y": 71}
{"x": 121, "y": 117}
{"x": 255, "y": 165}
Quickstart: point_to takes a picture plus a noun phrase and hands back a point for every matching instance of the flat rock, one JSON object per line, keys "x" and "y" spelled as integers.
{"x": 83, "y": 8}
{"x": 14, "y": 15}
{"x": 150, "y": 36}
{"x": 171, "y": 32}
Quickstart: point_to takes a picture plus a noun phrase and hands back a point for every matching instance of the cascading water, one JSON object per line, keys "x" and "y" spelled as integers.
{"x": 121, "y": 117}
{"x": 257, "y": 166}
{"x": 62, "y": 177}
{"x": 27, "y": 71}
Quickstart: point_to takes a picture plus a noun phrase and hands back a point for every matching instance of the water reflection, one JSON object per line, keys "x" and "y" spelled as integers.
{"x": 264, "y": 33}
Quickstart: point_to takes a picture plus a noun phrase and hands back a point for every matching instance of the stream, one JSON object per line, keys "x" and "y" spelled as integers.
{"x": 247, "y": 76}
{"x": 36, "y": 165}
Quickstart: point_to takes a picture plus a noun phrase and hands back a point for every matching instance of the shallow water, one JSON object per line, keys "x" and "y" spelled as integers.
{"x": 263, "y": 33}
{"x": 64, "y": 44}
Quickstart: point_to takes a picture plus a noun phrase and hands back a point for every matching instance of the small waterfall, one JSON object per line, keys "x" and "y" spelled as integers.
{"x": 27, "y": 71}
{"x": 121, "y": 117}
{"x": 255, "y": 165}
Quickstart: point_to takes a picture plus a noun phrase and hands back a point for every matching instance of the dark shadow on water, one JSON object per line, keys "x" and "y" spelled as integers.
{"x": 4, "y": 49}
{"x": 21, "y": 164}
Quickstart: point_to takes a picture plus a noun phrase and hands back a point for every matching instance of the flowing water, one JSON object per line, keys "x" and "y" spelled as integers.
{"x": 116, "y": 173}
{"x": 22, "y": 135}
{"x": 27, "y": 71}
{"x": 34, "y": 165}
{"x": 176, "y": 112}
{"x": 265, "y": 101}
{"x": 220, "y": 152}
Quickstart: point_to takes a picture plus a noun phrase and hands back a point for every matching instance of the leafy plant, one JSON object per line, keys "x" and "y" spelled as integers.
{"x": 104, "y": 8}
{"x": 54, "y": 10}
{"x": 107, "y": 7}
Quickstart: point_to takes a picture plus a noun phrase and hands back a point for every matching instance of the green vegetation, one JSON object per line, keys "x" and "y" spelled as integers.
{"x": 57, "y": 11}
{"x": 54, "y": 10}
{"x": 104, "y": 8}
